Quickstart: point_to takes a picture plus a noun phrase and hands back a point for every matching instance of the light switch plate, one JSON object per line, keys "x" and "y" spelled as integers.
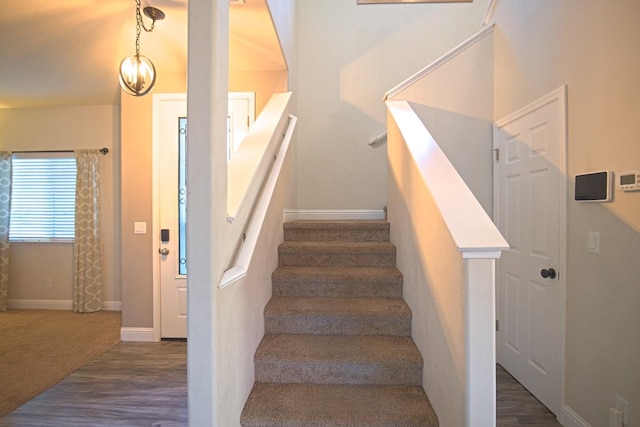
{"x": 139, "y": 228}
{"x": 594, "y": 242}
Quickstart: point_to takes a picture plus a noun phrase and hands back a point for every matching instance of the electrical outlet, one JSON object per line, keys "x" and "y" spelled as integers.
{"x": 623, "y": 406}
{"x": 48, "y": 283}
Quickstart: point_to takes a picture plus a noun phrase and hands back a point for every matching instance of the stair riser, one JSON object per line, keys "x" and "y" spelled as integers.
{"x": 321, "y": 405}
{"x": 313, "y": 235}
{"x": 337, "y": 325}
{"x": 324, "y": 373}
{"x": 323, "y": 259}
{"x": 303, "y": 288}
{"x": 337, "y": 349}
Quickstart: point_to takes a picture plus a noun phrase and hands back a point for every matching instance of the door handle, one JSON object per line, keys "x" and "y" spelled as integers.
{"x": 163, "y": 251}
{"x": 550, "y": 273}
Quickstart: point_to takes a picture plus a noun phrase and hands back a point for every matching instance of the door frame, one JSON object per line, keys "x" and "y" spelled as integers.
{"x": 157, "y": 100}
{"x": 559, "y": 95}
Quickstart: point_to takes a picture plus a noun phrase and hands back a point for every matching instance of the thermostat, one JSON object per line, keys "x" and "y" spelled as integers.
{"x": 629, "y": 181}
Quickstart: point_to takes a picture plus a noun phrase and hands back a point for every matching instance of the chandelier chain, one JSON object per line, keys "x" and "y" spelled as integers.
{"x": 140, "y": 25}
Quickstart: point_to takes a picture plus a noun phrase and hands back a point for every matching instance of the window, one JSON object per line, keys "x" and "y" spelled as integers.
{"x": 43, "y": 194}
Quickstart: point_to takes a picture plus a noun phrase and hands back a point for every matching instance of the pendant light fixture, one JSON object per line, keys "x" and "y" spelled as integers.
{"x": 137, "y": 73}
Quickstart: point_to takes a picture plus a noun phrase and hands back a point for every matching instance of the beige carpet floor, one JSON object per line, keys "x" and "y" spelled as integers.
{"x": 38, "y": 348}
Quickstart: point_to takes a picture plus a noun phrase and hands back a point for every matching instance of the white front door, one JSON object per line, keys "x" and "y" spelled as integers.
{"x": 170, "y": 136}
{"x": 530, "y": 209}
{"x": 171, "y": 128}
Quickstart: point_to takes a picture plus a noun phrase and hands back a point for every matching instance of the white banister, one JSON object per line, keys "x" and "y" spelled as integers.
{"x": 488, "y": 14}
{"x": 446, "y": 249}
{"x": 249, "y": 166}
{"x": 473, "y": 232}
{"x": 378, "y": 138}
{"x": 243, "y": 260}
{"x": 439, "y": 62}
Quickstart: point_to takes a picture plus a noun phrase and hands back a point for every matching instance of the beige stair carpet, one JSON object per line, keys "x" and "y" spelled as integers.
{"x": 337, "y": 349}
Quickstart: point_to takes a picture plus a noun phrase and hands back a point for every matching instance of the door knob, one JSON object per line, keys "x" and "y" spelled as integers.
{"x": 163, "y": 251}
{"x": 550, "y": 273}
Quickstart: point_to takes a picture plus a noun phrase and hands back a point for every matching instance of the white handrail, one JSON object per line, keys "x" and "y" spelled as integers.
{"x": 488, "y": 15}
{"x": 447, "y": 250}
{"x": 378, "y": 138}
{"x": 248, "y": 168}
{"x": 438, "y": 62}
{"x": 243, "y": 260}
{"x": 473, "y": 232}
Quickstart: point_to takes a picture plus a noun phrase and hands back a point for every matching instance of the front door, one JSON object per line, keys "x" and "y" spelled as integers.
{"x": 170, "y": 136}
{"x": 530, "y": 209}
{"x": 171, "y": 128}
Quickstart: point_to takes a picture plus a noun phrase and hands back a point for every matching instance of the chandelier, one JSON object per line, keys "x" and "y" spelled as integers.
{"x": 137, "y": 73}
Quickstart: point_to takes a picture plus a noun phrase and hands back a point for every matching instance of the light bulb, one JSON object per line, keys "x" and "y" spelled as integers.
{"x": 137, "y": 75}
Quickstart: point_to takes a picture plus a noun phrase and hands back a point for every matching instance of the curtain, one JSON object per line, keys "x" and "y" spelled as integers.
{"x": 5, "y": 209}
{"x": 87, "y": 250}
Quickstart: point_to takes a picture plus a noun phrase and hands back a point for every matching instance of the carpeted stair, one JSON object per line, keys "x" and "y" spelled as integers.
{"x": 337, "y": 349}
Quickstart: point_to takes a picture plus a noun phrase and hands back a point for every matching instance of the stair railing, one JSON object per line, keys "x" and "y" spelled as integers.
{"x": 447, "y": 246}
{"x": 250, "y": 236}
{"x": 379, "y": 138}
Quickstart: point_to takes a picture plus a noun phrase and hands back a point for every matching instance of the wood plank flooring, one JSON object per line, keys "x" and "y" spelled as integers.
{"x": 133, "y": 384}
{"x": 516, "y": 407}
{"x": 145, "y": 384}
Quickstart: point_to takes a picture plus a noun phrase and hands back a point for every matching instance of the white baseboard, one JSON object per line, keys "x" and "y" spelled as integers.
{"x": 137, "y": 334}
{"x": 347, "y": 214}
{"x": 54, "y": 304}
{"x": 112, "y": 306}
{"x": 570, "y": 418}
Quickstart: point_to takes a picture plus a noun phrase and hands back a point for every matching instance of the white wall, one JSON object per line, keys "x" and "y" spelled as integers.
{"x": 349, "y": 56}
{"x": 64, "y": 128}
{"x": 455, "y": 102}
{"x": 225, "y": 326}
{"x": 435, "y": 295}
{"x": 593, "y": 48}
{"x": 440, "y": 241}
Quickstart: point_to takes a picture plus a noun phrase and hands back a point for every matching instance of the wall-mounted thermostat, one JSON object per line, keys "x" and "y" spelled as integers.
{"x": 629, "y": 181}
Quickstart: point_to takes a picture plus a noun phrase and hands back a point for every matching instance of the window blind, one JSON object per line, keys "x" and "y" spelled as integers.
{"x": 43, "y": 199}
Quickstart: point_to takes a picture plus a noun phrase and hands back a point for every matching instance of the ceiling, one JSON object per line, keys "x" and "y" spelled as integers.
{"x": 67, "y": 52}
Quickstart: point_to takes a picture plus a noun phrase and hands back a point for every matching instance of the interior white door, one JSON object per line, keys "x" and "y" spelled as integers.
{"x": 241, "y": 116}
{"x": 530, "y": 212}
{"x": 172, "y": 131}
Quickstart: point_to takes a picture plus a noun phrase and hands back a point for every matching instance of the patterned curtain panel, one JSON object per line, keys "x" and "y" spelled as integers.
{"x": 87, "y": 251}
{"x": 5, "y": 209}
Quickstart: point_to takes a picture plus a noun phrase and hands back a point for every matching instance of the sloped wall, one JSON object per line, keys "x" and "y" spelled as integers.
{"x": 349, "y": 56}
{"x": 454, "y": 99}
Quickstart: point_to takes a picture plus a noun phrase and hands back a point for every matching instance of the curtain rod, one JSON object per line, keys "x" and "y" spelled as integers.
{"x": 102, "y": 150}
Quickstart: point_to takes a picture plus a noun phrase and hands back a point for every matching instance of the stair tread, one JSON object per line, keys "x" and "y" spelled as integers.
{"x": 338, "y": 274}
{"x": 336, "y": 246}
{"x": 301, "y": 405}
{"x": 356, "y": 307}
{"x": 333, "y": 224}
{"x": 339, "y": 349}
{"x": 347, "y": 282}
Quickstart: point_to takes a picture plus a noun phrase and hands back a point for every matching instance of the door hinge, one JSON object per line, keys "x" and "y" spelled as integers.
{"x": 497, "y": 325}
{"x": 497, "y": 151}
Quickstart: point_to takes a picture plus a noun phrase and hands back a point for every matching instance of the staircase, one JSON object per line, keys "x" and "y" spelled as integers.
{"x": 337, "y": 349}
